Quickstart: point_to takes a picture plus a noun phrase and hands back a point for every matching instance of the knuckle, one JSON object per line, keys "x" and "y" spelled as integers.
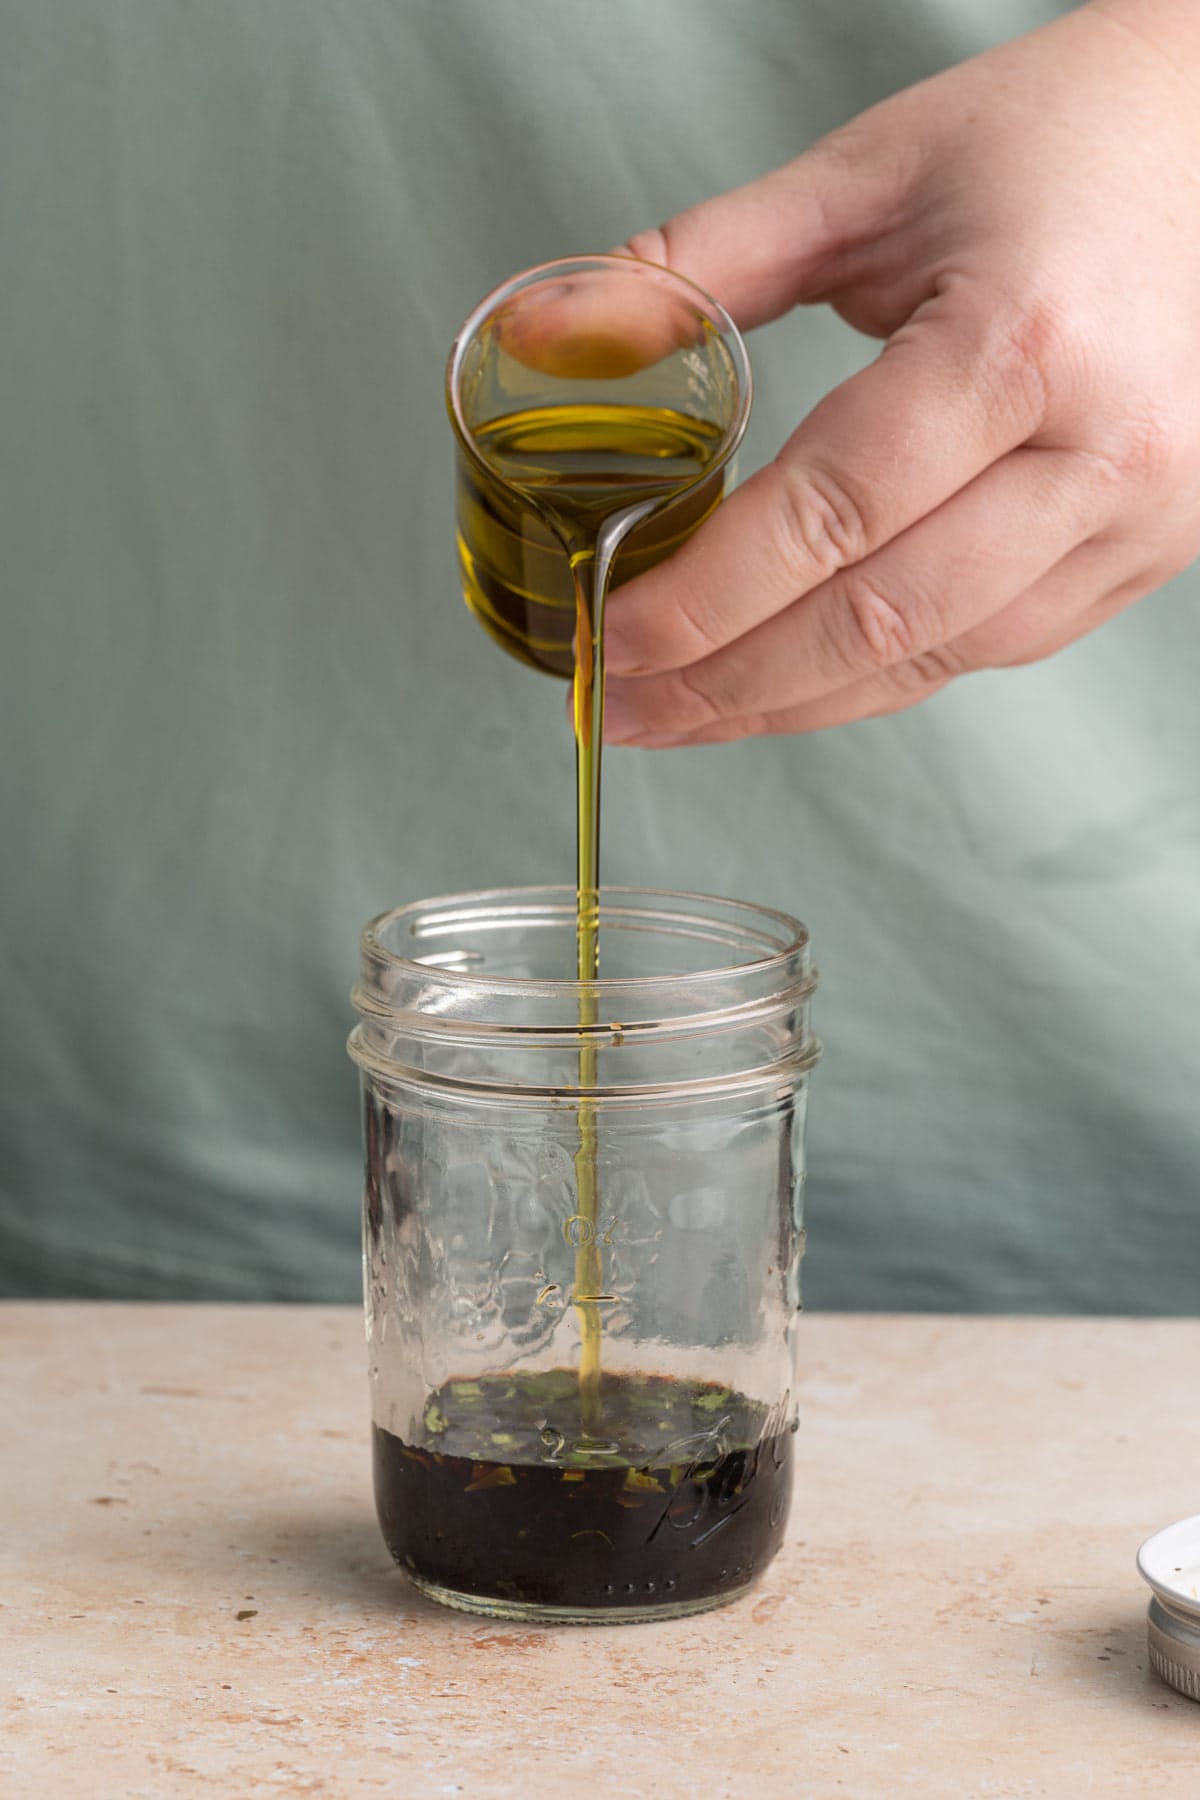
{"x": 823, "y": 526}
{"x": 695, "y": 699}
{"x": 1016, "y": 353}
{"x": 874, "y": 631}
{"x": 932, "y": 669}
{"x": 699, "y": 624}
{"x": 652, "y": 245}
{"x": 1023, "y": 362}
{"x": 1032, "y": 340}
{"x": 1142, "y": 450}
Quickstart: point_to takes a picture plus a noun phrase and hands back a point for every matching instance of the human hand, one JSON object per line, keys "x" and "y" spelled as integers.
{"x": 1021, "y": 461}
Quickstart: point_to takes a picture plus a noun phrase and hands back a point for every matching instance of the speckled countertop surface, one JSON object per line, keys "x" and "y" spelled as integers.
{"x": 194, "y": 1597}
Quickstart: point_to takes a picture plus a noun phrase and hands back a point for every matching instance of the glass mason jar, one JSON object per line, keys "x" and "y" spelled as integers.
{"x": 582, "y": 1299}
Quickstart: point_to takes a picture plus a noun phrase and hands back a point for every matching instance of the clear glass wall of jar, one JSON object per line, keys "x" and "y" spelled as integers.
{"x": 646, "y": 1224}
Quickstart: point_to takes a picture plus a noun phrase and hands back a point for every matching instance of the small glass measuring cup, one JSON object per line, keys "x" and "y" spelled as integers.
{"x": 591, "y": 338}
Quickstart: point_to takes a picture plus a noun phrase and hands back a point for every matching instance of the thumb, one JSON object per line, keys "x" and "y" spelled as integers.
{"x": 785, "y": 238}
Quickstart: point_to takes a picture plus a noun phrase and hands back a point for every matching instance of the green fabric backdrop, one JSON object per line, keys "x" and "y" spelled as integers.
{"x": 243, "y": 707}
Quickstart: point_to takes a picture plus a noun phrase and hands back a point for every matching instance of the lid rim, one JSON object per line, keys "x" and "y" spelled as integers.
{"x": 1175, "y": 1550}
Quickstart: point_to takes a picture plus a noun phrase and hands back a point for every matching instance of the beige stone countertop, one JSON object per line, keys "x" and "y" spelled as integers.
{"x": 195, "y": 1598}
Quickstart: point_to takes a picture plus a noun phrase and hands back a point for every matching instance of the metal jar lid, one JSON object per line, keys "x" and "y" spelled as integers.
{"x": 1170, "y": 1562}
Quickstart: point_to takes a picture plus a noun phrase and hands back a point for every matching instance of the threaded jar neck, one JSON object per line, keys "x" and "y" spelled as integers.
{"x": 475, "y": 992}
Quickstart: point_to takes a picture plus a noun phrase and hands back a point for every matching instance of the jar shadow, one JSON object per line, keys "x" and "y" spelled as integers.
{"x": 334, "y": 1558}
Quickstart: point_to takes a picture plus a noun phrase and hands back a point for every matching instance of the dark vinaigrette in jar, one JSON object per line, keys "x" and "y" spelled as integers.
{"x": 682, "y": 1496}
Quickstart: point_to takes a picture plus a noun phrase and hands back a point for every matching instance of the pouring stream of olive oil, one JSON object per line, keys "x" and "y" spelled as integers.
{"x": 571, "y": 499}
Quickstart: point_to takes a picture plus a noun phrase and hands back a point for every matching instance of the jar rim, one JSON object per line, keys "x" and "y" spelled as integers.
{"x": 448, "y": 1023}
{"x": 457, "y": 907}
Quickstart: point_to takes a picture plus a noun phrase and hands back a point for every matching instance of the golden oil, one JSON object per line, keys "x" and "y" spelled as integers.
{"x": 577, "y": 465}
{"x": 561, "y": 503}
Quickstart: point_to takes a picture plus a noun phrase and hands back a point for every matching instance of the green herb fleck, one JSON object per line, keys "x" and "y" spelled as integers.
{"x": 713, "y": 1401}
{"x": 640, "y": 1481}
{"x": 552, "y": 1384}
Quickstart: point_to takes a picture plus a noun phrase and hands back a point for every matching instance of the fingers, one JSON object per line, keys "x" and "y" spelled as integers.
{"x": 758, "y": 249}
{"x": 981, "y": 551}
{"x": 591, "y": 327}
{"x": 1022, "y": 644}
{"x": 762, "y": 248}
{"x": 1015, "y": 636}
{"x": 951, "y": 394}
